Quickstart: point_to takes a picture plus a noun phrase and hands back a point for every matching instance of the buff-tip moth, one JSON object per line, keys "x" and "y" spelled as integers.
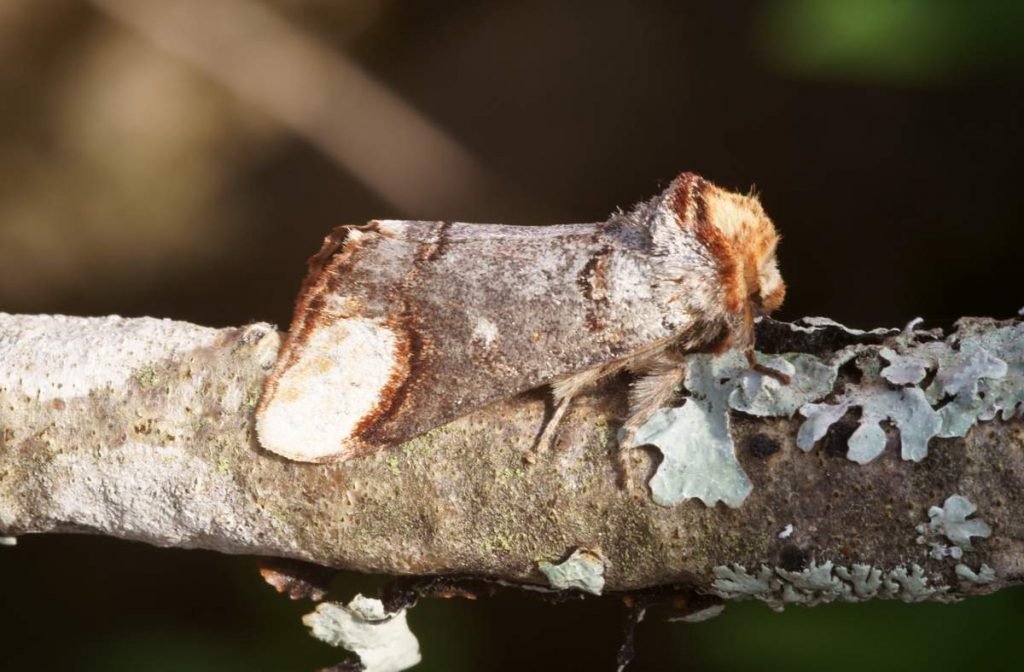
{"x": 403, "y": 326}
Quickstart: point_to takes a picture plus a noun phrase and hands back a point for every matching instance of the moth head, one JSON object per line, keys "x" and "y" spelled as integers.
{"x": 741, "y": 238}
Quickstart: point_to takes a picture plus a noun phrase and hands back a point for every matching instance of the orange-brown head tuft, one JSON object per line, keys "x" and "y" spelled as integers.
{"x": 741, "y": 238}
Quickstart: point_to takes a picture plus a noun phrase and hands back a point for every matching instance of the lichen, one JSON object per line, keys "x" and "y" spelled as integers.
{"x": 818, "y": 323}
{"x": 951, "y": 520}
{"x": 699, "y": 457}
{"x": 695, "y": 438}
{"x": 985, "y": 378}
{"x": 911, "y": 586}
{"x": 809, "y": 583}
{"x": 736, "y": 581}
{"x": 763, "y": 396}
{"x": 979, "y": 374}
{"x": 382, "y": 641}
{"x": 583, "y": 570}
{"x": 906, "y": 408}
{"x": 825, "y": 582}
{"x": 864, "y": 579}
{"x": 984, "y": 575}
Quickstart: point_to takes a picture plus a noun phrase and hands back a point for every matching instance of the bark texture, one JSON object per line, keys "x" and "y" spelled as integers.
{"x": 143, "y": 429}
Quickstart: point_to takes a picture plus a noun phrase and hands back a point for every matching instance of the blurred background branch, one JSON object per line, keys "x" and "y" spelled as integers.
{"x": 320, "y": 95}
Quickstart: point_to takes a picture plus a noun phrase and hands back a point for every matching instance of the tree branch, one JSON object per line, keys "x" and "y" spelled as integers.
{"x": 142, "y": 429}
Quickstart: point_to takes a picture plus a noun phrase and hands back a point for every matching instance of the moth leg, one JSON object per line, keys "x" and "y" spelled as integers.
{"x": 764, "y": 370}
{"x": 648, "y": 393}
{"x": 547, "y": 436}
{"x": 563, "y": 391}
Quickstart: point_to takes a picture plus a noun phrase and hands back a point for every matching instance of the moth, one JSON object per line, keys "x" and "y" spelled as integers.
{"x": 403, "y": 326}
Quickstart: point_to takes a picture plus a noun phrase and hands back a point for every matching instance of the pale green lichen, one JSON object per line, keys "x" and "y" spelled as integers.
{"x": 969, "y": 379}
{"x": 865, "y": 580}
{"x": 699, "y": 458}
{"x": 906, "y": 408}
{"x": 939, "y": 551}
{"x": 818, "y": 584}
{"x": 736, "y": 581}
{"x": 695, "y": 439}
{"x": 978, "y": 375}
{"x": 812, "y": 580}
{"x": 984, "y": 575}
{"x": 911, "y": 586}
{"x": 985, "y": 377}
{"x": 382, "y": 641}
{"x": 583, "y": 570}
{"x": 817, "y": 323}
{"x": 951, "y": 520}
{"x": 763, "y": 396}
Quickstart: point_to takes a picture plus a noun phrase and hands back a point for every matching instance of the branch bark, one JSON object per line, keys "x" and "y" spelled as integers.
{"x": 142, "y": 429}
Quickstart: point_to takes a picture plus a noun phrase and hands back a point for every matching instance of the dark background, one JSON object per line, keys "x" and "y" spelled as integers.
{"x": 140, "y": 177}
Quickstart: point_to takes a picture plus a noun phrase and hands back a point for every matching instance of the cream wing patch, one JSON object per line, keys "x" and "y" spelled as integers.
{"x": 343, "y": 377}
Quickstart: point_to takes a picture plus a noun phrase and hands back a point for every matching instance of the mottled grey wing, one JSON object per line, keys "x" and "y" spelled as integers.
{"x": 405, "y": 326}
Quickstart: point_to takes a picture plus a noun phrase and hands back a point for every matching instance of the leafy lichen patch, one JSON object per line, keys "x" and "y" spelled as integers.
{"x": 906, "y": 408}
{"x": 911, "y": 585}
{"x": 696, "y": 440}
{"x": 699, "y": 456}
{"x": 583, "y": 570}
{"x": 984, "y": 575}
{"x": 820, "y": 323}
{"x": 382, "y": 640}
{"x": 985, "y": 378}
{"x": 952, "y": 520}
{"x": 825, "y": 582}
{"x": 763, "y": 396}
{"x": 979, "y": 374}
{"x": 865, "y": 580}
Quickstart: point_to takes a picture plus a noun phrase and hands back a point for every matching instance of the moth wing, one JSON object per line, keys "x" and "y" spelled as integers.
{"x": 405, "y": 326}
